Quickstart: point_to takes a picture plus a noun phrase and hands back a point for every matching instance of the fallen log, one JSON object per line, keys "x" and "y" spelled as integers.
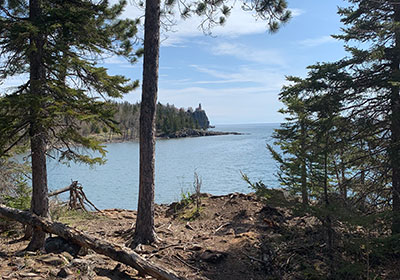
{"x": 116, "y": 252}
{"x": 57, "y": 192}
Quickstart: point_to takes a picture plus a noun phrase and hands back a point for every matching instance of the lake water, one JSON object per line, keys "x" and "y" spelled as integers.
{"x": 217, "y": 159}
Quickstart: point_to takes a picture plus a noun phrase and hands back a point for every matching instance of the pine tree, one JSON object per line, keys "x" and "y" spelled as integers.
{"x": 214, "y": 12}
{"x": 375, "y": 92}
{"x": 144, "y": 230}
{"x": 57, "y": 43}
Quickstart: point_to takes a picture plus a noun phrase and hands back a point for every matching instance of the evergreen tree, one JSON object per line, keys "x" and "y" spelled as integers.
{"x": 375, "y": 91}
{"x": 57, "y": 43}
{"x": 144, "y": 230}
{"x": 215, "y": 12}
{"x": 293, "y": 139}
{"x": 316, "y": 142}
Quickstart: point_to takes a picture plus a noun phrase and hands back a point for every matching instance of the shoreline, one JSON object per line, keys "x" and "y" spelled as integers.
{"x": 187, "y": 133}
{"x": 195, "y": 133}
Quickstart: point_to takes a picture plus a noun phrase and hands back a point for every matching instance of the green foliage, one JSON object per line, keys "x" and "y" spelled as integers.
{"x": 273, "y": 197}
{"x": 197, "y": 183}
{"x": 76, "y": 91}
{"x": 190, "y": 213}
{"x": 21, "y": 197}
{"x": 14, "y": 190}
{"x": 351, "y": 271}
{"x": 189, "y": 205}
{"x": 215, "y": 13}
{"x": 186, "y": 198}
{"x": 340, "y": 143}
{"x": 260, "y": 189}
{"x": 384, "y": 249}
{"x": 169, "y": 120}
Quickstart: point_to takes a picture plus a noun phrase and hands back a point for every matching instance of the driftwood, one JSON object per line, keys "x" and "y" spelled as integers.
{"x": 77, "y": 198}
{"x": 116, "y": 252}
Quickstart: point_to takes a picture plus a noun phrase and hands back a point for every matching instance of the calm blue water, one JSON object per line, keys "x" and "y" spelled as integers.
{"x": 217, "y": 159}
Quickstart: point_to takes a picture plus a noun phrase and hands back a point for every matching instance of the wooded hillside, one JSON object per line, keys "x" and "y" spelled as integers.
{"x": 169, "y": 119}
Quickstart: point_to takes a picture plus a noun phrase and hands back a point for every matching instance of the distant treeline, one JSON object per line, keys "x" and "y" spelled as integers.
{"x": 169, "y": 120}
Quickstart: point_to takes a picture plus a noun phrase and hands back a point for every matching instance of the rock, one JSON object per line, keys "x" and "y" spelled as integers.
{"x": 212, "y": 256}
{"x": 59, "y": 244}
{"x": 64, "y": 272}
{"x": 200, "y": 117}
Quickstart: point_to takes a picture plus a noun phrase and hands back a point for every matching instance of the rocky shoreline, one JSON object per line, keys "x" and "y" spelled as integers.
{"x": 195, "y": 133}
{"x": 178, "y": 134}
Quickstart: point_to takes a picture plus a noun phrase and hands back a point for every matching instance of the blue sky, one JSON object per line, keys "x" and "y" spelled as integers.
{"x": 237, "y": 73}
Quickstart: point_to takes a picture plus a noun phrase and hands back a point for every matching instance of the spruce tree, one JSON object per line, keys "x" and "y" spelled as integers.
{"x": 374, "y": 66}
{"x": 57, "y": 44}
{"x": 293, "y": 139}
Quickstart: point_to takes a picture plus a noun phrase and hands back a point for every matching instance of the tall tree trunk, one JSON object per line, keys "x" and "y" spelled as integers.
{"x": 144, "y": 231}
{"x": 328, "y": 218}
{"x": 395, "y": 125}
{"x": 39, "y": 204}
{"x": 304, "y": 188}
{"x": 344, "y": 181}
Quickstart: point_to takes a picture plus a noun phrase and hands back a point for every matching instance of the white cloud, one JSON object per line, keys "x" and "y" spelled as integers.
{"x": 297, "y": 12}
{"x": 228, "y": 105}
{"x": 243, "y": 52}
{"x": 247, "y": 95}
{"x": 314, "y": 42}
{"x": 239, "y": 23}
{"x": 11, "y": 83}
{"x": 269, "y": 79}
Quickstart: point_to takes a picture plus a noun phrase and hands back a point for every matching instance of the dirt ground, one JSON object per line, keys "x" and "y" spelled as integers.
{"x": 235, "y": 236}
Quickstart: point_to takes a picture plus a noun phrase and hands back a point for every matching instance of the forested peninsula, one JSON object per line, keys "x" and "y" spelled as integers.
{"x": 171, "y": 122}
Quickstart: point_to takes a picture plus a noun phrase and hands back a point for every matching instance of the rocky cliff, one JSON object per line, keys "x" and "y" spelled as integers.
{"x": 200, "y": 116}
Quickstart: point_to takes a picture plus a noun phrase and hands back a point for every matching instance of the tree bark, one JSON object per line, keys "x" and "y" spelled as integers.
{"x": 39, "y": 204}
{"x": 115, "y": 252}
{"x": 144, "y": 230}
{"x": 57, "y": 192}
{"x": 394, "y": 152}
{"x": 304, "y": 188}
{"x": 328, "y": 218}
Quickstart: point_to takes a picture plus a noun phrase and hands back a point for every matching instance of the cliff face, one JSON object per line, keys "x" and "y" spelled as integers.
{"x": 200, "y": 116}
